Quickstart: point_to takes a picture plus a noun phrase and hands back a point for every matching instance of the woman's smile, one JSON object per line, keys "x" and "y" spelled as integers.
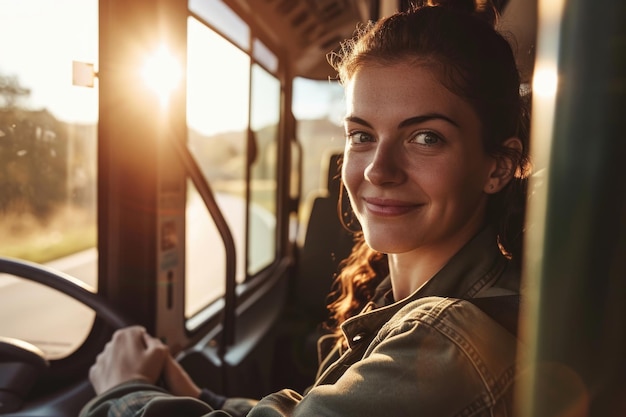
{"x": 388, "y": 207}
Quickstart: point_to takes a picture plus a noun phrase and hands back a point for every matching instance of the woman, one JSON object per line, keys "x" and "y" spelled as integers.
{"x": 434, "y": 166}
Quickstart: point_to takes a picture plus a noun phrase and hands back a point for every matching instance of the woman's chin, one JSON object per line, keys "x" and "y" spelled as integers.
{"x": 385, "y": 244}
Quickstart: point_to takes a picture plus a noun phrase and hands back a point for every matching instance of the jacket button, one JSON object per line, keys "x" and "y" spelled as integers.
{"x": 358, "y": 338}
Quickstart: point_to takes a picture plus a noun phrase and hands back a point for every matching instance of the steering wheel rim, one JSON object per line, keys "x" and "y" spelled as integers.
{"x": 65, "y": 284}
{"x": 67, "y": 400}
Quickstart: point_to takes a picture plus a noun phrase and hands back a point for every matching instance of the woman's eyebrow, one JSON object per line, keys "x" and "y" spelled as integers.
{"x": 357, "y": 120}
{"x": 407, "y": 122}
{"x": 426, "y": 117}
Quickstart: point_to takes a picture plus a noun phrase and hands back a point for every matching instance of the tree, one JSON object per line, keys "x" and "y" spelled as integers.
{"x": 11, "y": 92}
{"x": 33, "y": 154}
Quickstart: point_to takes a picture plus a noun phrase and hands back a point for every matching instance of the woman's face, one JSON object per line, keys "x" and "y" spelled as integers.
{"x": 414, "y": 165}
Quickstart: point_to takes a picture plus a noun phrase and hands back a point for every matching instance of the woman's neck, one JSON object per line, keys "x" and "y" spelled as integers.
{"x": 410, "y": 270}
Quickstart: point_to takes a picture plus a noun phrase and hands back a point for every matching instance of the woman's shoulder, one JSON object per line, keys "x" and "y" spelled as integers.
{"x": 461, "y": 325}
{"x": 456, "y": 316}
{"x": 454, "y": 346}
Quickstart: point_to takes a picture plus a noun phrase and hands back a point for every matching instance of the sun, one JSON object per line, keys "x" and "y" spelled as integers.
{"x": 162, "y": 73}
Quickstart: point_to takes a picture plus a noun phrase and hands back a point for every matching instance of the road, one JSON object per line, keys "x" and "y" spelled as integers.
{"x": 54, "y": 322}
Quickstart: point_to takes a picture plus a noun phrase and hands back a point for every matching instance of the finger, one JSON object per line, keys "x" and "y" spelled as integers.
{"x": 133, "y": 338}
{"x": 128, "y": 331}
{"x": 154, "y": 346}
{"x": 151, "y": 342}
{"x": 125, "y": 339}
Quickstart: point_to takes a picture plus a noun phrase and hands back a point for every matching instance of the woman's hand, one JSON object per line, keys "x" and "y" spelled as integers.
{"x": 131, "y": 354}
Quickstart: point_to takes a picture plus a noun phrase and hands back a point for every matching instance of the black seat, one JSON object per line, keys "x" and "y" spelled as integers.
{"x": 326, "y": 244}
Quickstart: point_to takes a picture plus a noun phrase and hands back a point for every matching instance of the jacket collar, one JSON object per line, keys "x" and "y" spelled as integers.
{"x": 475, "y": 266}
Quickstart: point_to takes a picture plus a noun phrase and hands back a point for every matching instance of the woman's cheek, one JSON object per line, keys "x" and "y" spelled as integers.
{"x": 351, "y": 176}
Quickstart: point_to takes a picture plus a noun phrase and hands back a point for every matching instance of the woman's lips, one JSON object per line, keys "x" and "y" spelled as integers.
{"x": 387, "y": 207}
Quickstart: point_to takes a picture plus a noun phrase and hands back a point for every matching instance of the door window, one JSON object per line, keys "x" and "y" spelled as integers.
{"x": 48, "y": 131}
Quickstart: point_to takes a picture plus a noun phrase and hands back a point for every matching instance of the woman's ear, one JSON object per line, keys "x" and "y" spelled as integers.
{"x": 504, "y": 167}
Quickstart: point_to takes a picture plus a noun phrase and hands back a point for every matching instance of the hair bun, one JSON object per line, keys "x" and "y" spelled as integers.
{"x": 482, "y": 9}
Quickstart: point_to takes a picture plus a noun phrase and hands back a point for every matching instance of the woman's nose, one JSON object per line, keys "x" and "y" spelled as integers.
{"x": 386, "y": 167}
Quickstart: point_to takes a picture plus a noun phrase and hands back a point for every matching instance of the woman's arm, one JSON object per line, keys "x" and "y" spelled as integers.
{"x": 436, "y": 357}
{"x": 125, "y": 374}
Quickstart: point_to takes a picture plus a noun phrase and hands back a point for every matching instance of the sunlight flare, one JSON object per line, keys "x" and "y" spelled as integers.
{"x": 162, "y": 73}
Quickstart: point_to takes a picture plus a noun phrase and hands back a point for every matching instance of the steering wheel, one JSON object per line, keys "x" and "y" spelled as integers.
{"x": 21, "y": 363}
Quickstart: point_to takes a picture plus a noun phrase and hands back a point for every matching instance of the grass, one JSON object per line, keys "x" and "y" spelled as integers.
{"x": 67, "y": 231}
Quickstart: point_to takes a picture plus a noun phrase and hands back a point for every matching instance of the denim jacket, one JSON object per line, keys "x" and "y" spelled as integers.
{"x": 431, "y": 354}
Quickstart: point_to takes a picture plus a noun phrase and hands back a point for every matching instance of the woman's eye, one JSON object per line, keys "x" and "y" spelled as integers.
{"x": 359, "y": 137}
{"x": 426, "y": 138}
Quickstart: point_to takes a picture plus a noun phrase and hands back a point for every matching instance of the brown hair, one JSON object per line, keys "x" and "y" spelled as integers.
{"x": 474, "y": 62}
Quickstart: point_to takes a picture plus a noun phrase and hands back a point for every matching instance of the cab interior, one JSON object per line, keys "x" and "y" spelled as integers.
{"x": 260, "y": 336}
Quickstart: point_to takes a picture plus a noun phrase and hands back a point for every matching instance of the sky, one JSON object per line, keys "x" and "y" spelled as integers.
{"x": 39, "y": 39}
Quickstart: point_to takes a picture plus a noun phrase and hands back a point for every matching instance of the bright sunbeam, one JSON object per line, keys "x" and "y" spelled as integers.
{"x": 545, "y": 81}
{"x": 162, "y": 73}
